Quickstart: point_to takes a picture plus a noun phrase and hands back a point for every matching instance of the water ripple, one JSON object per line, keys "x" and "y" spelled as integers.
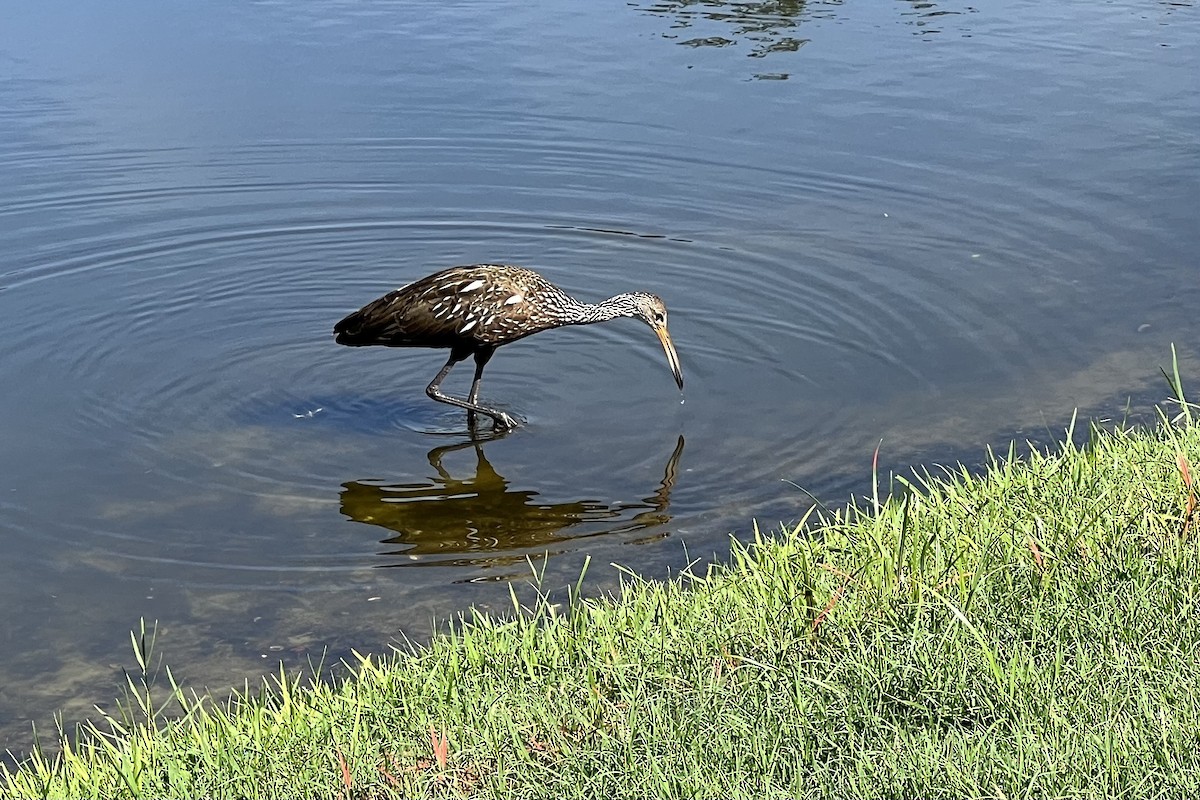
{"x": 199, "y": 337}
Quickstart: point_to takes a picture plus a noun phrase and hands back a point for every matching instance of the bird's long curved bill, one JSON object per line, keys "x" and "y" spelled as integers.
{"x": 672, "y": 356}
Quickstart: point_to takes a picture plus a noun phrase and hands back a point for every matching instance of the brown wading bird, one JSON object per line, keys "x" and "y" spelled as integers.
{"x": 473, "y": 310}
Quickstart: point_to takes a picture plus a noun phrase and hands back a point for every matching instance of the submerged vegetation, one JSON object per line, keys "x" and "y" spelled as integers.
{"x": 1030, "y": 630}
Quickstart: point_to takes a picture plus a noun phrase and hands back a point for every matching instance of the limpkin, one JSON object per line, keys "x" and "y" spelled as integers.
{"x": 474, "y": 309}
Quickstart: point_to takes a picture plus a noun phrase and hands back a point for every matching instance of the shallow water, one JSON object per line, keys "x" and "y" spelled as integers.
{"x": 937, "y": 225}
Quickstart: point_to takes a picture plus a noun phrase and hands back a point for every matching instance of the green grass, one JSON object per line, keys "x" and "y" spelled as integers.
{"x": 1029, "y": 631}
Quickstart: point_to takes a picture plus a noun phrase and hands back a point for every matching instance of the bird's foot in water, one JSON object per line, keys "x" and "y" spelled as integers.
{"x": 503, "y": 422}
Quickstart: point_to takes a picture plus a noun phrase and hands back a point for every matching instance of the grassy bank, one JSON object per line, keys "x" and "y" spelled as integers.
{"x": 1031, "y": 631}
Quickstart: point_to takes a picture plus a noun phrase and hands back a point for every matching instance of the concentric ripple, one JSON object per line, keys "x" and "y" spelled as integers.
{"x": 193, "y": 334}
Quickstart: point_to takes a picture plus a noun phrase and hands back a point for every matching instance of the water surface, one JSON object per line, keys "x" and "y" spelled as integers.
{"x": 932, "y": 224}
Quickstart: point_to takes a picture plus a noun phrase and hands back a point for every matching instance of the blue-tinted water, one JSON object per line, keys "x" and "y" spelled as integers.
{"x": 934, "y": 224}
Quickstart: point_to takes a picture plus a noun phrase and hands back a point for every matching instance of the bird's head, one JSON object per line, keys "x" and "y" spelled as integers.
{"x": 651, "y": 310}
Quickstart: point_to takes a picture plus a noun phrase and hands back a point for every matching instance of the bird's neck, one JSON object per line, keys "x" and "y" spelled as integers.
{"x": 587, "y": 313}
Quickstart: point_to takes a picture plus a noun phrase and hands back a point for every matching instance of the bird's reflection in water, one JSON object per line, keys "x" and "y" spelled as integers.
{"x": 479, "y": 521}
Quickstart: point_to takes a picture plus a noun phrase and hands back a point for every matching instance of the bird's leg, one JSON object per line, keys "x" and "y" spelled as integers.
{"x": 434, "y": 390}
{"x": 481, "y": 359}
{"x": 473, "y": 397}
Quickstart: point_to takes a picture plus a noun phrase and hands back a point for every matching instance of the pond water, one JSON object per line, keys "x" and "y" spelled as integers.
{"x": 938, "y": 225}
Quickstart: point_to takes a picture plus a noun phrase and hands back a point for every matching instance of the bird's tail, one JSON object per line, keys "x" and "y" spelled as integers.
{"x": 354, "y": 330}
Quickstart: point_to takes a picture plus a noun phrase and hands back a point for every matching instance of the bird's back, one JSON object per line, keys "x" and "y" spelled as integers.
{"x": 474, "y": 306}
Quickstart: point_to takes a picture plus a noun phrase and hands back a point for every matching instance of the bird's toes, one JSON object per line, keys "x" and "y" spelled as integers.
{"x": 504, "y": 421}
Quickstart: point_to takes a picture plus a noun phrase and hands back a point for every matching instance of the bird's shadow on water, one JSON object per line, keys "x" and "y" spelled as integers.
{"x": 480, "y": 520}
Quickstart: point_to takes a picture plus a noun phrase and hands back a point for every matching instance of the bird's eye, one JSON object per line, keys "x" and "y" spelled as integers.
{"x": 659, "y": 317}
